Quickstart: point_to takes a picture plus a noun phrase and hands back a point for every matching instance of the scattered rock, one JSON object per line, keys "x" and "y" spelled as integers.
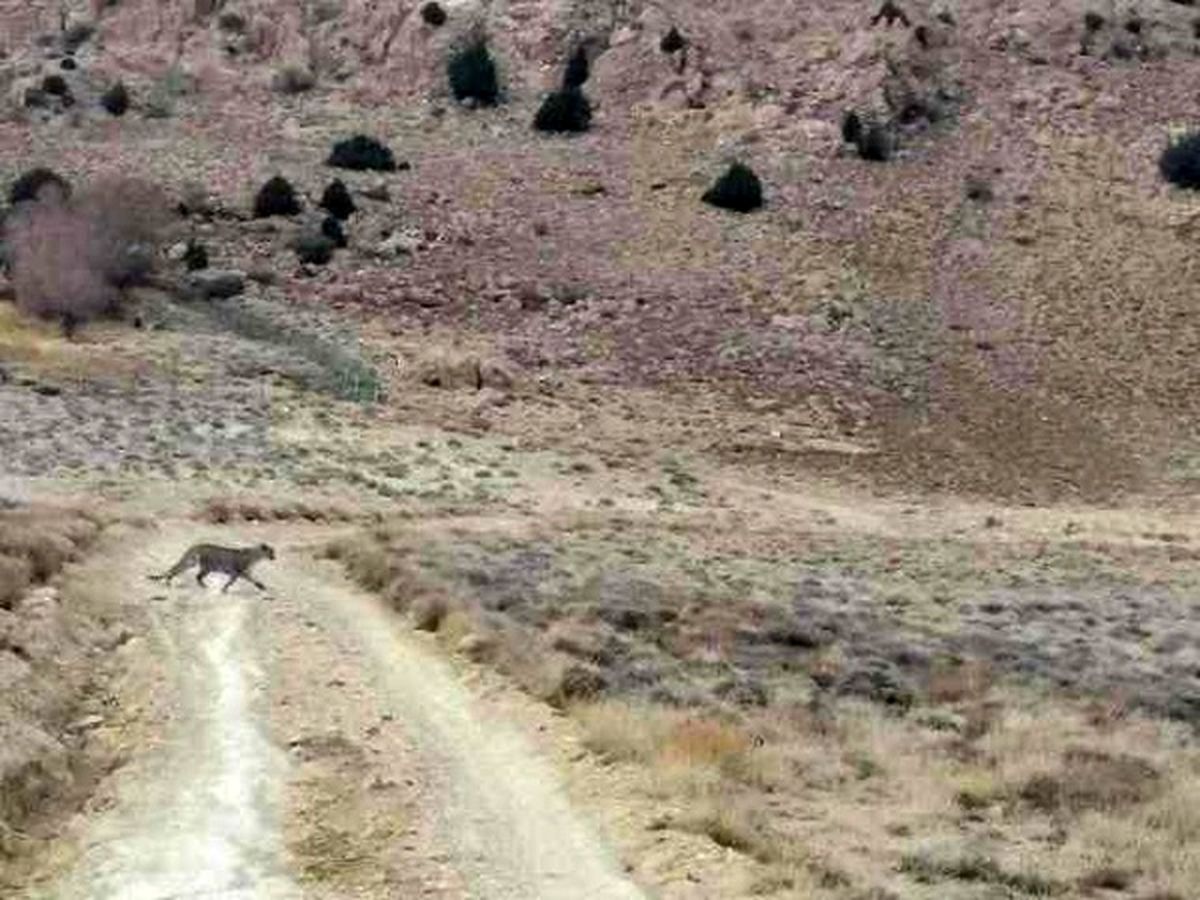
{"x": 399, "y": 244}
{"x": 87, "y": 723}
{"x": 476, "y": 647}
{"x": 262, "y": 275}
{"x": 314, "y": 249}
{"x": 377, "y": 192}
{"x": 218, "y": 284}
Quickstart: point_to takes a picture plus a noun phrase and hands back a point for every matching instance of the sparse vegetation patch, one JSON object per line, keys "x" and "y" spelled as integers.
{"x": 35, "y": 543}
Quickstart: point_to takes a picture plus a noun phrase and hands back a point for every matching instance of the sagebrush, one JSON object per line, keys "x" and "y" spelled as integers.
{"x": 71, "y": 256}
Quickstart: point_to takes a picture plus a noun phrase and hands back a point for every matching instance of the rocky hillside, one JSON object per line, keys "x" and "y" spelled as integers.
{"x": 1004, "y": 307}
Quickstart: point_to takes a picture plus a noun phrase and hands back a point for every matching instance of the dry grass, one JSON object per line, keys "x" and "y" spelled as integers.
{"x": 1125, "y": 798}
{"x": 22, "y": 340}
{"x": 222, "y": 510}
{"x": 844, "y": 797}
{"x": 36, "y": 543}
{"x": 380, "y": 566}
{"x": 738, "y": 824}
{"x": 429, "y": 611}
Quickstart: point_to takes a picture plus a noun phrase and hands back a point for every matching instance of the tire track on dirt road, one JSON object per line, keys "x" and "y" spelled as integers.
{"x": 203, "y": 810}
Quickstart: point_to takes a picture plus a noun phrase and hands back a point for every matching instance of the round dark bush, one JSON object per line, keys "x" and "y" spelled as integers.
{"x": 337, "y": 200}
{"x": 578, "y": 69}
{"x": 276, "y": 198}
{"x": 564, "y": 111}
{"x": 472, "y": 73}
{"x": 433, "y": 14}
{"x": 55, "y": 86}
{"x": 232, "y": 22}
{"x": 362, "y": 153}
{"x": 851, "y": 127}
{"x": 30, "y": 185}
{"x": 672, "y": 41}
{"x": 195, "y": 257}
{"x": 116, "y": 99}
{"x": 876, "y": 143}
{"x": 1180, "y": 162}
{"x": 313, "y": 249}
{"x": 68, "y": 65}
{"x": 738, "y": 189}
{"x": 332, "y": 229}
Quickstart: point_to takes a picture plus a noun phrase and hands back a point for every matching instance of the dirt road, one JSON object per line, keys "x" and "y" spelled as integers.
{"x": 304, "y": 744}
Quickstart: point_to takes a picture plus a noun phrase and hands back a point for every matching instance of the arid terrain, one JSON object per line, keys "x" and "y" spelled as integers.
{"x": 625, "y": 546}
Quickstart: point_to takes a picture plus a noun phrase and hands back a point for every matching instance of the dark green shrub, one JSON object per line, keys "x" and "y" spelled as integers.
{"x": 361, "y": 153}
{"x": 29, "y": 185}
{"x": 55, "y": 86}
{"x": 564, "y": 111}
{"x": 578, "y": 69}
{"x": 739, "y": 190}
{"x": 337, "y": 200}
{"x": 313, "y": 249}
{"x": 1180, "y": 162}
{"x": 195, "y": 257}
{"x": 472, "y": 74}
{"x": 276, "y": 198}
{"x": 331, "y": 228}
{"x": 116, "y": 99}
{"x": 852, "y": 127}
{"x": 877, "y": 143}
{"x": 68, "y": 65}
{"x": 672, "y": 41}
{"x": 433, "y": 14}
